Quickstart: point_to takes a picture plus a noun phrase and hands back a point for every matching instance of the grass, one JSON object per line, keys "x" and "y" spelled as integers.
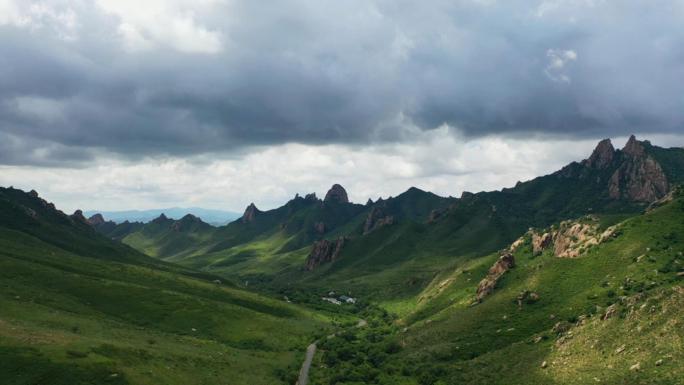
{"x": 74, "y": 319}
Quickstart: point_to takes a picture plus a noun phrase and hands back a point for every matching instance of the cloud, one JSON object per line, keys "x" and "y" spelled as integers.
{"x": 436, "y": 161}
{"x": 185, "y": 78}
{"x": 558, "y": 61}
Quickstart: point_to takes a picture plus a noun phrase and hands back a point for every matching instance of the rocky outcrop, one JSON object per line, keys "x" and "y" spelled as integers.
{"x": 377, "y": 218}
{"x": 571, "y": 238}
{"x": 324, "y": 251}
{"x": 250, "y": 214}
{"x": 336, "y": 194}
{"x": 319, "y": 227}
{"x": 436, "y": 214}
{"x": 639, "y": 178}
{"x": 603, "y": 155}
{"x": 541, "y": 242}
{"x": 500, "y": 267}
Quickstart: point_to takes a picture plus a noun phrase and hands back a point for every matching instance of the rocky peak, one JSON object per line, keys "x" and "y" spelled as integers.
{"x": 634, "y": 147}
{"x": 639, "y": 177}
{"x": 336, "y": 194}
{"x": 603, "y": 155}
{"x": 250, "y": 213}
{"x": 160, "y": 219}
{"x": 96, "y": 219}
{"x": 78, "y": 216}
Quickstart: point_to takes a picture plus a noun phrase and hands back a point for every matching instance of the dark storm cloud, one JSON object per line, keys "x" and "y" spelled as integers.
{"x": 74, "y": 77}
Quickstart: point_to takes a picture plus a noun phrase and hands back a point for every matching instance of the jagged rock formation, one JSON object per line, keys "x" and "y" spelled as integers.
{"x": 639, "y": 177}
{"x": 376, "y": 219}
{"x": 500, "y": 267}
{"x": 603, "y": 155}
{"x": 319, "y": 227}
{"x": 336, "y": 194}
{"x": 324, "y": 251}
{"x": 541, "y": 242}
{"x": 570, "y": 239}
{"x": 250, "y": 214}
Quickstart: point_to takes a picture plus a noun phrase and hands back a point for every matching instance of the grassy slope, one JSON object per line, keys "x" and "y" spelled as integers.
{"x": 446, "y": 329}
{"x": 78, "y": 308}
{"x": 135, "y": 321}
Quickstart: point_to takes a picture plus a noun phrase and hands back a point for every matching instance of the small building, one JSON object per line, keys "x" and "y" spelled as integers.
{"x": 347, "y": 299}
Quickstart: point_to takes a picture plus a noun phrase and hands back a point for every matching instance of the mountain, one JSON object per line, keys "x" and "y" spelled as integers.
{"x": 570, "y": 278}
{"x": 214, "y": 217}
{"x": 394, "y": 247}
{"x": 79, "y": 308}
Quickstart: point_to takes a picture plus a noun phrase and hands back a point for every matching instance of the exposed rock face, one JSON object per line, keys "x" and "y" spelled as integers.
{"x": 602, "y": 156}
{"x": 639, "y": 178}
{"x": 336, "y": 194}
{"x": 436, "y": 214}
{"x": 572, "y": 238}
{"x": 324, "y": 251}
{"x": 319, "y": 227}
{"x": 500, "y": 267}
{"x": 96, "y": 220}
{"x": 250, "y": 214}
{"x": 376, "y": 219}
{"x": 541, "y": 242}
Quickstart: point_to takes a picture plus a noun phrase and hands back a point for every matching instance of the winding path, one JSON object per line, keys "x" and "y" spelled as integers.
{"x": 310, "y": 352}
{"x": 304, "y": 371}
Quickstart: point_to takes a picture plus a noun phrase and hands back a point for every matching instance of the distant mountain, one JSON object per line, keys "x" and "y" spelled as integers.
{"x": 214, "y": 217}
{"x": 395, "y": 246}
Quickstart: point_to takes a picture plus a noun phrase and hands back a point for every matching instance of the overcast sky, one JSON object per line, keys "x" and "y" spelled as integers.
{"x": 121, "y": 104}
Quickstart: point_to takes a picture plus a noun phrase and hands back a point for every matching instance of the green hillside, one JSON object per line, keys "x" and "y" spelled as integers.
{"x": 617, "y": 305}
{"x": 78, "y": 308}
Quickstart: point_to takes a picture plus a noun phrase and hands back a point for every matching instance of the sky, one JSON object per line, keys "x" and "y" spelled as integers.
{"x": 121, "y": 104}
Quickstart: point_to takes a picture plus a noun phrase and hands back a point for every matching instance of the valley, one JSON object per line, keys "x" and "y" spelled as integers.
{"x": 570, "y": 278}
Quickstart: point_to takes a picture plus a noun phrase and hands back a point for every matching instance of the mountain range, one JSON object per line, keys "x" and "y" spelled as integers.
{"x": 539, "y": 283}
{"x": 214, "y": 217}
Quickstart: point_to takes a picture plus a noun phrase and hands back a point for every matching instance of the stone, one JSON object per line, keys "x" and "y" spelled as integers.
{"x": 324, "y": 251}
{"x": 541, "y": 242}
{"x": 500, "y": 267}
